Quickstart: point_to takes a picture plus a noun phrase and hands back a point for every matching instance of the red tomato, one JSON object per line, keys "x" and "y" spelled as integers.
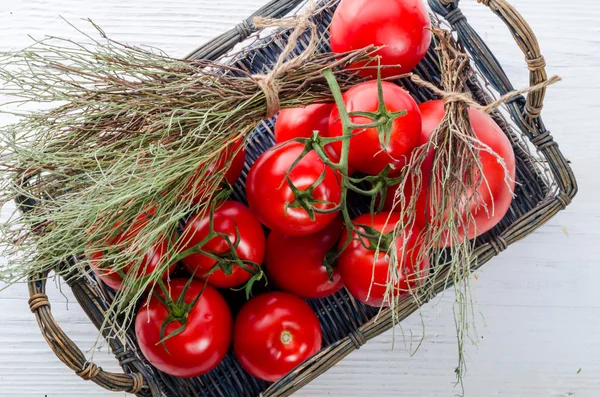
{"x": 203, "y": 343}
{"x": 273, "y": 201}
{"x": 232, "y": 173}
{"x": 228, "y": 217}
{"x": 366, "y": 152}
{"x": 402, "y": 27}
{"x": 495, "y": 194}
{"x": 154, "y": 257}
{"x": 366, "y": 271}
{"x": 274, "y": 333}
{"x": 295, "y": 264}
{"x": 301, "y": 122}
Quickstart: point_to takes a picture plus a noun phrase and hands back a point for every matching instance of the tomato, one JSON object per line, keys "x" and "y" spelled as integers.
{"x": 295, "y": 263}
{"x": 232, "y": 174}
{"x": 274, "y": 333}
{"x": 203, "y": 343}
{"x": 494, "y": 193}
{"x": 228, "y": 217}
{"x": 301, "y": 122}
{"x": 276, "y": 205}
{"x": 366, "y": 270}
{"x": 154, "y": 257}
{"x": 402, "y": 27}
{"x": 366, "y": 151}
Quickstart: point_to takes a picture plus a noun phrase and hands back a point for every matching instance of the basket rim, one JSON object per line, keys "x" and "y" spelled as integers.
{"x": 525, "y": 113}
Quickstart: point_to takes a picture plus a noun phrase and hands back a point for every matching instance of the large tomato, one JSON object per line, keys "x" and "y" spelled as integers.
{"x": 295, "y": 263}
{"x": 494, "y": 193}
{"x": 154, "y": 257}
{"x": 366, "y": 151}
{"x": 231, "y": 219}
{"x": 197, "y": 189}
{"x": 402, "y": 27}
{"x": 274, "y": 333}
{"x": 204, "y": 342}
{"x": 272, "y": 200}
{"x": 366, "y": 270}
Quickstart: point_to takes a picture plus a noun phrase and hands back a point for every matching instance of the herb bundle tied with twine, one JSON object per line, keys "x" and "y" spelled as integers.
{"x": 133, "y": 127}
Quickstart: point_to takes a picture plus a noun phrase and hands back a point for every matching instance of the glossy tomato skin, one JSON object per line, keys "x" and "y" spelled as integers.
{"x": 366, "y": 276}
{"x": 301, "y": 122}
{"x": 274, "y": 333}
{"x": 227, "y": 217}
{"x": 237, "y": 163}
{"x": 401, "y": 26}
{"x": 153, "y": 258}
{"x": 295, "y": 263}
{"x": 204, "y": 342}
{"x": 232, "y": 174}
{"x": 270, "y": 196}
{"x": 495, "y": 193}
{"x": 366, "y": 152}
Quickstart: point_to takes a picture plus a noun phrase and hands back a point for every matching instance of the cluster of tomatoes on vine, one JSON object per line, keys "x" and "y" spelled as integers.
{"x": 298, "y": 190}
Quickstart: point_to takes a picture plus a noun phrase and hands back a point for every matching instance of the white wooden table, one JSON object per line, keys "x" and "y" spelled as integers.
{"x": 540, "y": 298}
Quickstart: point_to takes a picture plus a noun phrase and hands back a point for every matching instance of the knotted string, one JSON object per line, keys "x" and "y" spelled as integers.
{"x": 269, "y": 83}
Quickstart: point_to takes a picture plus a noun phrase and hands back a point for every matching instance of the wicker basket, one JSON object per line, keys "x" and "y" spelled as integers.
{"x": 546, "y": 186}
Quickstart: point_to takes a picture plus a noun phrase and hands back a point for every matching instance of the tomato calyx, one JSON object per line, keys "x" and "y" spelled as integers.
{"x": 304, "y": 198}
{"x": 374, "y": 240}
{"x": 230, "y": 259}
{"x": 178, "y": 310}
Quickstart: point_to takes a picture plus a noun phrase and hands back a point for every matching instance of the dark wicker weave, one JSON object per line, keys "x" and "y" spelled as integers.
{"x": 546, "y": 186}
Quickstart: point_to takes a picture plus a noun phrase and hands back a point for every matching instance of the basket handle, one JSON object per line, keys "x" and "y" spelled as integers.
{"x": 521, "y": 33}
{"x": 66, "y": 350}
{"x": 222, "y": 44}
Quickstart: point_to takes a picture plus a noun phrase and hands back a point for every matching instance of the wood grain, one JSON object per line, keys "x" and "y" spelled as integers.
{"x": 540, "y": 298}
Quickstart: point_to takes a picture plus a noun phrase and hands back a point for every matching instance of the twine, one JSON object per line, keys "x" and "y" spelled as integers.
{"x": 450, "y": 97}
{"x": 269, "y": 83}
{"x": 357, "y": 338}
{"x": 37, "y": 301}
{"x": 89, "y": 371}
{"x": 137, "y": 383}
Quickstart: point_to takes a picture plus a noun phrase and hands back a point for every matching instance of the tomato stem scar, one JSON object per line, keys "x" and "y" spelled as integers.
{"x": 286, "y": 337}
